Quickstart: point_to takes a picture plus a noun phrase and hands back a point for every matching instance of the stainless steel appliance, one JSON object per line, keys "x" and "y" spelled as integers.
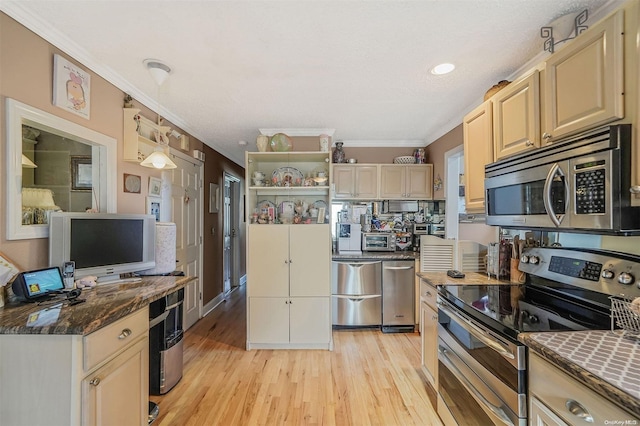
{"x": 165, "y": 342}
{"x": 398, "y": 296}
{"x": 582, "y": 183}
{"x": 348, "y": 235}
{"x": 482, "y": 366}
{"x": 418, "y": 230}
{"x": 378, "y": 241}
{"x": 436, "y": 229}
{"x": 356, "y": 293}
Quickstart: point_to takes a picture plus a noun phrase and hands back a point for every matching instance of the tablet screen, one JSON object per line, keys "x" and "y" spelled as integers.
{"x": 43, "y": 281}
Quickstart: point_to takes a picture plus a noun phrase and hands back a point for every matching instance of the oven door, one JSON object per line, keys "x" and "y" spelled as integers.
{"x": 480, "y": 375}
{"x": 538, "y": 197}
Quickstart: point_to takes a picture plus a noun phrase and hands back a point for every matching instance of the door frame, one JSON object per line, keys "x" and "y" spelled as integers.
{"x": 452, "y": 166}
{"x": 234, "y": 223}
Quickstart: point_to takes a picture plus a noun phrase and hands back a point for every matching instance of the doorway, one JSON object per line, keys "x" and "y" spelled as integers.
{"x": 186, "y": 212}
{"x": 231, "y": 216}
{"x": 454, "y": 187}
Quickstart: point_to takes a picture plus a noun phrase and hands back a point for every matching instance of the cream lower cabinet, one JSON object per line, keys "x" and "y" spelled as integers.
{"x": 584, "y": 81}
{"x": 429, "y": 332}
{"x": 406, "y": 181}
{"x": 358, "y": 181}
{"x": 98, "y": 379}
{"x": 289, "y": 287}
{"x": 477, "y": 128}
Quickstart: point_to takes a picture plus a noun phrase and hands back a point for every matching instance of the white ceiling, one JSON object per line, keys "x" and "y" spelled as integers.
{"x": 359, "y": 67}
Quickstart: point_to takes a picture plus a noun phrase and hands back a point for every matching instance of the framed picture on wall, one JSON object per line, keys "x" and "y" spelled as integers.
{"x": 153, "y": 207}
{"x": 71, "y": 87}
{"x": 81, "y": 173}
{"x": 155, "y": 186}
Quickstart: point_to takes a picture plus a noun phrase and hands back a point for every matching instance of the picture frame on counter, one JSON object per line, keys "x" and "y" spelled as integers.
{"x": 321, "y": 214}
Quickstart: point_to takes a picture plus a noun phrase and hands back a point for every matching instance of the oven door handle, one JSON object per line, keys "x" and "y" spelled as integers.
{"x": 450, "y": 364}
{"x": 555, "y": 171}
{"x": 477, "y": 332}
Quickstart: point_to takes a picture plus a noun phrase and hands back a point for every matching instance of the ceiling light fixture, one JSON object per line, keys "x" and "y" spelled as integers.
{"x": 158, "y": 159}
{"x": 442, "y": 69}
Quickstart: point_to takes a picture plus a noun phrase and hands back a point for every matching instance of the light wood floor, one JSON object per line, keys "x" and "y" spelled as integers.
{"x": 370, "y": 378}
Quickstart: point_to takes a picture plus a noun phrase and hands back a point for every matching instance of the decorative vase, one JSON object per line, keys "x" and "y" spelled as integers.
{"x": 324, "y": 143}
{"x": 338, "y": 154}
{"x": 262, "y": 143}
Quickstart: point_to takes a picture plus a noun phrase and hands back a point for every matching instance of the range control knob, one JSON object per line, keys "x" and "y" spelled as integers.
{"x": 524, "y": 258}
{"x": 534, "y": 260}
{"x": 626, "y": 278}
{"x": 607, "y": 273}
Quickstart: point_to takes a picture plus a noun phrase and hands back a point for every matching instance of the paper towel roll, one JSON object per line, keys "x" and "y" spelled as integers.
{"x": 165, "y": 249}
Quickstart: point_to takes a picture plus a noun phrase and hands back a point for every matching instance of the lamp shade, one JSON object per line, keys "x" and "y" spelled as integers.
{"x": 158, "y": 160}
{"x": 28, "y": 164}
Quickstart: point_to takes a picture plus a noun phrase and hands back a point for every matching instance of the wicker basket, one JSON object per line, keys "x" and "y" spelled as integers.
{"x": 404, "y": 159}
{"x": 496, "y": 88}
{"x": 624, "y": 317}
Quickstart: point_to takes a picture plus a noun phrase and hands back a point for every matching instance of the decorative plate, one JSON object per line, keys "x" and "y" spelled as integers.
{"x": 281, "y": 143}
{"x": 287, "y": 176}
{"x": 265, "y": 204}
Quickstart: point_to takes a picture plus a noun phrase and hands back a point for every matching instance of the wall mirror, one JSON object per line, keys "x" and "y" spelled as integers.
{"x": 54, "y": 165}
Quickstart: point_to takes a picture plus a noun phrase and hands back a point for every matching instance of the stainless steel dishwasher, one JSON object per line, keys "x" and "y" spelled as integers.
{"x": 356, "y": 293}
{"x": 398, "y": 296}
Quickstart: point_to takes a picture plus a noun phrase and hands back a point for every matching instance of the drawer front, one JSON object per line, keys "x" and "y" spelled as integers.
{"x": 357, "y": 310}
{"x": 104, "y": 343}
{"x": 428, "y": 294}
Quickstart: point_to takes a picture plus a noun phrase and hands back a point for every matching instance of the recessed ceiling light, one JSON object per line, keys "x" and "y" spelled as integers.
{"x": 442, "y": 69}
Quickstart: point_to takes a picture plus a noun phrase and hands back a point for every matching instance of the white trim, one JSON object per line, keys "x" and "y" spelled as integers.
{"x": 451, "y": 215}
{"x": 298, "y": 132}
{"x": 384, "y": 143}
{"x": 104, "y": 147}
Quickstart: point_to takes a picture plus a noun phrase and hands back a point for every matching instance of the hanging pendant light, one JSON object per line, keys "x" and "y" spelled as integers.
{"x": 28, "y": 164}
{"x": 158, "y": 159}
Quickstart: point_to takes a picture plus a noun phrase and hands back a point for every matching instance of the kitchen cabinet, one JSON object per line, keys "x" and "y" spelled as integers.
{"x": 288, "y": 286}
{"x": 477, "y": 129}
{"x": 101, "y": 378}
{"x": 429, "y": 332}
{"x": 401, "y": 181}
{"x": 516, "y": 117}
{"x": 584, "y": 80}
{"x": 355, "y": 181}
{"x": 555, "y": 398}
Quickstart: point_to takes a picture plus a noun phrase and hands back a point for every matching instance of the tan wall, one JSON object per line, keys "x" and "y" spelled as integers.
{"x": 26, "y": 74}
{"x": 435, "y": 155}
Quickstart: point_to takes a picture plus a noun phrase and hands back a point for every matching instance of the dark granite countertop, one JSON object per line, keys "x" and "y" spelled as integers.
{"x": 104, "y": 304}
{"x": 470, "y": 278}
{"x": 604, "y": 361}
{"x": 378, "y": 255}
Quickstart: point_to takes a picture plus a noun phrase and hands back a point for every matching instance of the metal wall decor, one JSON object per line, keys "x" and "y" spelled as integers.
{"x": 578, "y": 28}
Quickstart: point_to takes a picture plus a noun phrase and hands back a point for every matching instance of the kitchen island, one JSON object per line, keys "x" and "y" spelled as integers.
{"x": 81, "y": 364}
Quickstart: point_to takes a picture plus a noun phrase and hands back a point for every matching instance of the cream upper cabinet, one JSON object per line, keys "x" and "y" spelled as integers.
{"x": 406, "y": 181}
{"x": 516, "y": 117}
{"x": 478, "y": 151}
{"x": 358, "y": 181}
{"x": 584, "y": 81}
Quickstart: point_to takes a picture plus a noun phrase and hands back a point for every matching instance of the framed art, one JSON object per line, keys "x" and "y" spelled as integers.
{"x": 321, "y": 214}
{"x": 214, "y": 194}
{"x": 81, "y": 173}
{"x": 71, "y": 87}
{"x": 132, "y": 183}
{"x": 155, "y": 186}
{"x": 153, "y": 207}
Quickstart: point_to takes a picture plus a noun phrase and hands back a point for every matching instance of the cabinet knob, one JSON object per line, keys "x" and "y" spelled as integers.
{"x": 125, "y": 333}
{"x": 528, "y": 143}
{"x": 434, "y": 317}
{"x": 95, "y": 382}
{"x": 635, "y": 189}
{"x": 428, "y": 293}
{"x": 579, "y": 410}
{"x": 286, "y": 261}
{"x": 546, "y": 136}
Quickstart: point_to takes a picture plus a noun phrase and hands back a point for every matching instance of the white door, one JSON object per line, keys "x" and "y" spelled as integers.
{"x": 230, "y": 217}
{"x": 186, "y": 212}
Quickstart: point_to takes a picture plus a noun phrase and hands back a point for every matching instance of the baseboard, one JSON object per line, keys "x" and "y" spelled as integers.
{"x": 209, "y": 307}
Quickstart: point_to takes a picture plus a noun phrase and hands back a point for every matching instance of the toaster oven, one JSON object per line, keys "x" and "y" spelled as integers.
{"x": 378, "y": 241}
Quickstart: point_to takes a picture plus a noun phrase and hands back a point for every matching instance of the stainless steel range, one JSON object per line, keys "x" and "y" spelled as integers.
{"x": 482, "y": 366}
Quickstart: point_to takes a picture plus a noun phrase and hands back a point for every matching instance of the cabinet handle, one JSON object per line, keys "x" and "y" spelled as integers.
{"x": 528, "y": 143}
{"x": 546, "y": 136}
{"x": 95, "y": 382}
{"x": 286, "y": 261}
{"x": 635, "y": 189}
{"x": 125, "y": 333}
{"x": 290, "y": 261}
{"x": 578, "y": 410}
{"x": 434, "y": 317}
{"x": 428, "y": 293}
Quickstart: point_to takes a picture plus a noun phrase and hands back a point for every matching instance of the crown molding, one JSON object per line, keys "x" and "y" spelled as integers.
{"x": 298, "y": 132}
{"x": 383, "y": 143}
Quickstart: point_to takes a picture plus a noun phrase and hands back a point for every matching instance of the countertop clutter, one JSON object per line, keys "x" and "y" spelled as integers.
{"x": 104, "y": 304}
{"x": 600, "y": 359}
{"x": 471, "y": 278}
{"x": 372, "y": 255}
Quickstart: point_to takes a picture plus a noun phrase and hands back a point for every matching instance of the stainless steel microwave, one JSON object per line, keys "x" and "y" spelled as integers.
{"x": 581, "y": 184}
{"x": 378, "y": 241}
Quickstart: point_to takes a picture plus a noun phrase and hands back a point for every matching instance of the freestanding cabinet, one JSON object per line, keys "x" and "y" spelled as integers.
{"x": 288, "y": 257}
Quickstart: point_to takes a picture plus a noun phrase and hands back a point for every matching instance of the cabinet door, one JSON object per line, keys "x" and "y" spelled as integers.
{"x": 419, "y": 181}
{"x": 269, "y": 319}
{"x": 429, "y": 342}
{"x": 366, "y": 182}
{"x": 541, "y": 415}
{"x": 268, "y": 261}
{"x": 309, "y": 320}
{"x": 584, "y": 81}
{"x": 392, "y": 181}
{"x": 118, "y": 393}
{"x": 516, "y": 117}
{"x": 478, "y": 152}
{"x": 310, "y": 267}
{"x": 343, "y": 181}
